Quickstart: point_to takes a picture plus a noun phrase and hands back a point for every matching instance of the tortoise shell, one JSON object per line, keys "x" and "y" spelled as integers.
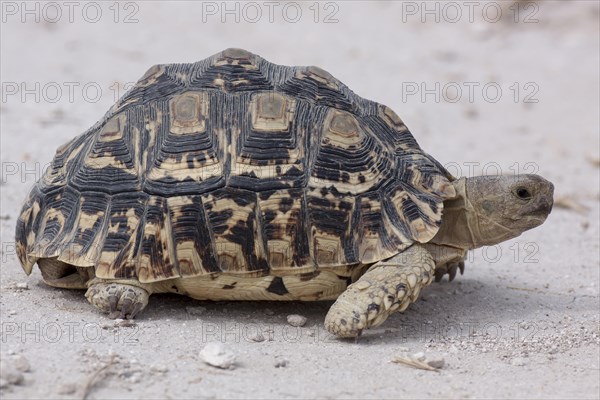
{"x": 234, "y": 165}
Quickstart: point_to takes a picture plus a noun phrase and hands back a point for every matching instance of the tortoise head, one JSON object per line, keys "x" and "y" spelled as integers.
{"x": 491, "y": 209}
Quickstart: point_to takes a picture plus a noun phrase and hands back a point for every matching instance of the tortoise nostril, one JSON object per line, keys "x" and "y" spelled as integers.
{"x": 544, "y": 206}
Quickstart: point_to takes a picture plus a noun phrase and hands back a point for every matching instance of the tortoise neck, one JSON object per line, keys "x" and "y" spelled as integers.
{"x": 463, "y": 225}
{"x": 456, "y": 229}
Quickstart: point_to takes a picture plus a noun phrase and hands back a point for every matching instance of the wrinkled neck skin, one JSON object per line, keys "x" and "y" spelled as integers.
{"x": 464, "y": 226}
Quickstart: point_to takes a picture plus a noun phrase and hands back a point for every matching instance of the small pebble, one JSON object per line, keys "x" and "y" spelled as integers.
{"x": 21, "y": 363}
{"x": 10, "y": 375}
{"x": 281, "y": 363}
{"x": 419, "y": 356}
{"x": 217, "y": 355}
{"x": 124, "y": 323}
{"x": 135, "y": 378}
{"x": 195, "y": 310}
{"x": 436, "y": 362}
{"x": 22, "y": 286}
{"x": 518, "y": 362}
{"x": 159, "y": 368}
{"x": 256, "y": 336}
{"x": 66, "y": 388}
{"x": 296, "y": 320}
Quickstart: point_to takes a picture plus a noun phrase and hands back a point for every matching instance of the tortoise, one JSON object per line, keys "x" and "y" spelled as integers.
{"x": 234, "y": 178}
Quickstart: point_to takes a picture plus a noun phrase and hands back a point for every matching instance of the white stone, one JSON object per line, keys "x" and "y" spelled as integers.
{"x": 216, "y": 354}
{"x": 436, "y": 362}
{"x": 296, "y": 320}
{"x": 21, "y": 363}
{"x": 10, "y": 375}
{"x": 66, "y": 388}
{"x": 195, "y": 310}
{"x": 518, "y": 362}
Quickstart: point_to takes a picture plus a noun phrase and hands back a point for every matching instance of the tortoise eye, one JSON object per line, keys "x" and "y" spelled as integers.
{"x": 523, "y": 193}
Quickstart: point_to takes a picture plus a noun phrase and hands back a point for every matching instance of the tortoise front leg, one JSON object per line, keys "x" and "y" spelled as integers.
{"x": 387, "y": 286}
{"x": 118, "y": 299}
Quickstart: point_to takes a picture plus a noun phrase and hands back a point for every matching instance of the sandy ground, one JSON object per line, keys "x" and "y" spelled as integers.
{"x": 522, "y": 322}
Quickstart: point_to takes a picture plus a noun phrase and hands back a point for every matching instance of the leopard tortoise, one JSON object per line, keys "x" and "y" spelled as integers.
{"x": 237, "y": 179}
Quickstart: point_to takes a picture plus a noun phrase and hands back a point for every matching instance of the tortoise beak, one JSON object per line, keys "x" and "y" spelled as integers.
{"x": 541, "y": 206}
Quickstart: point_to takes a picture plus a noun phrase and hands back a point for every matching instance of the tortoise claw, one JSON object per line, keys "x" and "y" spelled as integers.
{"x": 114, "y": 314}
{"x": 113, "y": 300}
{"x": 129, "y": 308}
{"x": 439, "y": 274}
{"x": 126, "y": 308}
{"x": 452, "y": 271}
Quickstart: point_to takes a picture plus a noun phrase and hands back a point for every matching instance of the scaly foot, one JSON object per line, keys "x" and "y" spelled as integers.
{"x": 118, "y": 300}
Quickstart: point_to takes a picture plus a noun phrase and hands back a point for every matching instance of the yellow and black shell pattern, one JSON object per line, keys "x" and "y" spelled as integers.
{"x": 234, "y": 165}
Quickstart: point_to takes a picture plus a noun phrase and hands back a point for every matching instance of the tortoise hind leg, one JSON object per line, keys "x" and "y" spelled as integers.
{"x": 63, "y": 275}
{"x": 116, "y": 298}
{"x": 387, "y": 286}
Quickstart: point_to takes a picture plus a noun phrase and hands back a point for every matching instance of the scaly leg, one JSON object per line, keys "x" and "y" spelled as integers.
{"x": 387, "y": 286}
